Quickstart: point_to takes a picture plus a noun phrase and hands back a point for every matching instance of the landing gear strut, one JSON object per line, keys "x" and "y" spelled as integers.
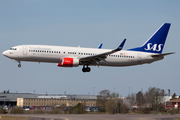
{"x": 86, "y": 69}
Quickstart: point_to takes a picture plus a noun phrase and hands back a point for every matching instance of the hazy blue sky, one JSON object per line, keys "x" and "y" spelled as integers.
{"x": 88, "y": 23}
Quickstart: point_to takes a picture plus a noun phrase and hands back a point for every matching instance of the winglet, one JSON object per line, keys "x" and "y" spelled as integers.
{"x": 121, "y": 45}
{"x": 100, "y": 46}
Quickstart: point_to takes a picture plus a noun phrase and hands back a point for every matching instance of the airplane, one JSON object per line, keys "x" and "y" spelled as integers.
{"x": 149, "y": 52}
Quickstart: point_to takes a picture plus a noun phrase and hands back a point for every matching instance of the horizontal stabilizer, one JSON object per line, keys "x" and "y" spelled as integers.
{"x": 162, "y": 55}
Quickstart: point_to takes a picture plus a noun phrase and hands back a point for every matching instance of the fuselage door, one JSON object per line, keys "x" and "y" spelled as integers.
{"x": 139, "y": 57}
{"x": 24, "y": 50}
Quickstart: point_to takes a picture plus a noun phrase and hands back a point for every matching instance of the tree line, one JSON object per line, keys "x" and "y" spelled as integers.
{"x": 153, "y": 100}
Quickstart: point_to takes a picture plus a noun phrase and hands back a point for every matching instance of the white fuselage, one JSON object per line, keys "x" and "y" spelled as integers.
{"x": 55, "y": 54}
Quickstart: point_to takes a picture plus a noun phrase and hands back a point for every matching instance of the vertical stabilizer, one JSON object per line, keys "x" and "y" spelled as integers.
{"x": 156, "y": 42}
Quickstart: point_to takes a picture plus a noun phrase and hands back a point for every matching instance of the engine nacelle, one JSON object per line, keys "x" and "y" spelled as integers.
{"x": 69, "y": 62}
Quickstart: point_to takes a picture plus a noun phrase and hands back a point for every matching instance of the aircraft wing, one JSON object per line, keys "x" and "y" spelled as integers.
{"x": 94, "y": 59}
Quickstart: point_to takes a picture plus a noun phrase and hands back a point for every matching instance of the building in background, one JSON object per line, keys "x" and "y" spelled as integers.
{"x": 10, "y": 99}
{"x": 175, "y": 103}
{"x": 54, "y": 102}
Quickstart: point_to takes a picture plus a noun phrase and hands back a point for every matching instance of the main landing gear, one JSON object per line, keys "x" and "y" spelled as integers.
{"x": 86, "y": 69}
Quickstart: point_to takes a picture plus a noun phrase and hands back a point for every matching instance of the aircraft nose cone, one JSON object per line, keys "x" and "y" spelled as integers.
{"x": 5, "y": 53}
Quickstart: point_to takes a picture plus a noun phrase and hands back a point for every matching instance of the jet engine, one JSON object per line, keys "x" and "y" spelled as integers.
{"x": 69, "y": 62}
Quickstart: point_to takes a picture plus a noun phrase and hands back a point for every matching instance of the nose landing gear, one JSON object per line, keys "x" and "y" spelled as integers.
{"x": 86, "y": 69}
{"x": 19, "y": 65}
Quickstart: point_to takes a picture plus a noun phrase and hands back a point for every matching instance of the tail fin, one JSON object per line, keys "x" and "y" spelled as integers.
{"x": 155, "y": 43}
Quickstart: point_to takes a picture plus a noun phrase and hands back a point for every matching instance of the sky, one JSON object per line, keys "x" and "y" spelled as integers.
{"x": 88, "y": 23}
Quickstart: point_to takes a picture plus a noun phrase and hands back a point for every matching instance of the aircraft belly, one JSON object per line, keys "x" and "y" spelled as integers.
{"x": 118, "y": 62}
{"x": 51, "y": 59}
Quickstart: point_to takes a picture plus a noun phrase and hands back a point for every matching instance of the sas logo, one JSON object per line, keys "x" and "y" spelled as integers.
{"x": 154, "y": 47}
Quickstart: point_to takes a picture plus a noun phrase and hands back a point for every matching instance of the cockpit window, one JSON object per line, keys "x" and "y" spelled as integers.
{"x": 13, "y": 48}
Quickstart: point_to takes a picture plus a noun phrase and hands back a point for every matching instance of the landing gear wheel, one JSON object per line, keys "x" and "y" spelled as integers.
{"x": 19, "y": 65}
{"x": 84, "y": 69}
{"x": 88, "y": 69}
